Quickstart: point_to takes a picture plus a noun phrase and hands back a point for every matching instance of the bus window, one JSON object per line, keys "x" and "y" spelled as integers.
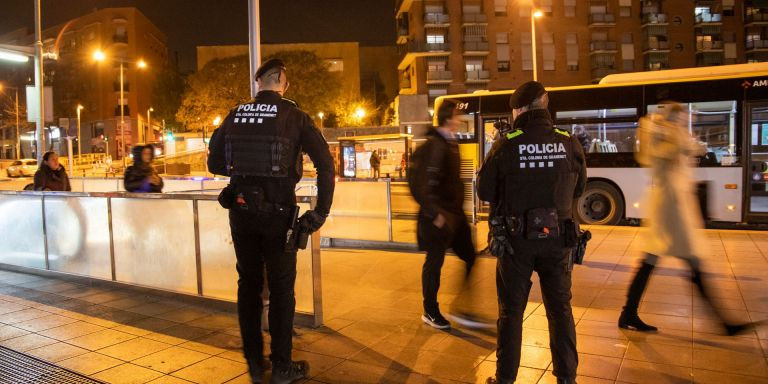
{"x": 466, "y": 129}
{"x": 713, "y": 123}
{"x": 601, "y": 130}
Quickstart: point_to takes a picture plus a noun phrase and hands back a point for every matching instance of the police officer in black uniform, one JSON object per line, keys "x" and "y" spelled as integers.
{"x": 531, "y": 177}
{"x": 259, "y": 145}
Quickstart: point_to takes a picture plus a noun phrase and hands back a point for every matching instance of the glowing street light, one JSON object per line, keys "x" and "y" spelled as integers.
{"x": 149, "y": 123}
{"x": 535, "y": 14}
{"x": 99, "y": 55}
{"x": 360, "y": 113}
{"x": 321, "y": 115}
{"x": 217, "y": 121}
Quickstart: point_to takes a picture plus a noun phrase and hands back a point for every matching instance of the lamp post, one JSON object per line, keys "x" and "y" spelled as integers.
{"x": 321, "y": 116}
{"x": 18, "y": 138}
{"x": 535, "y": 14}
{"x": 99, "y": 55}
{"x": 149, "y": 124}
{"x": 79, "y": 148}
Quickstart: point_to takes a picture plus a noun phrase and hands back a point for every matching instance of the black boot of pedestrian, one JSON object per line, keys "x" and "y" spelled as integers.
{"x": 290, "y": 372}
{"x": 629, "y": 318}
{"x": 730, "y": 329}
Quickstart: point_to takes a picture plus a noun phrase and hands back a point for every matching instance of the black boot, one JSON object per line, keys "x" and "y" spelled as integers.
{"x": 629, "y": 318}
{"x": 287, "y": 373}
{"x": 730, "y": 329}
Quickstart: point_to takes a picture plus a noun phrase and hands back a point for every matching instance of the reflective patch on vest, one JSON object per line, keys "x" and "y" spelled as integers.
{"x": 533, "y": 156}
{"x": 255, "y": 113}
{"x": 562, "y": 132}
{"x": 513, "y": 134}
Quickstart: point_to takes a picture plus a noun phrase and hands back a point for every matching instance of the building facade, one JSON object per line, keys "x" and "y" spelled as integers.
{"x": 458, "y": 46}
{"x": 123, "y": 35}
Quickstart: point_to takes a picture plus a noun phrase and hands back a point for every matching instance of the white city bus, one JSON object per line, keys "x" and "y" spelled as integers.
{"x": 728, "y": 108}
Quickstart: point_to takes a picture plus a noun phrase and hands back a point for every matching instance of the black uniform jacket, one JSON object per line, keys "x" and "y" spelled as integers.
{"x": 294, "y": 127}
{"x": 438, "y": 187}
{"x": 534, "y": 166}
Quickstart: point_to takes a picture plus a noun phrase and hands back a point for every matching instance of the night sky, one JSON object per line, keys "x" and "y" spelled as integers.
{"x": 189, "y": 23}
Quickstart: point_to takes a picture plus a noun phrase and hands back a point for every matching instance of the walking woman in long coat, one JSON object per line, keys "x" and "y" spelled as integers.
{"x": 674, "y": 217}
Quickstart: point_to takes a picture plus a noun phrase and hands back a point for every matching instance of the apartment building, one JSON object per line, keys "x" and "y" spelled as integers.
{"x": 122, "y": 35}
{"x": 457, "y": 46}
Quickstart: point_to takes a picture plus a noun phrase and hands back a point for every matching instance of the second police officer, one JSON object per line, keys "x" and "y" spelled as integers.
{"x": 531, "y": 177}
{"x": 259, "y": 145}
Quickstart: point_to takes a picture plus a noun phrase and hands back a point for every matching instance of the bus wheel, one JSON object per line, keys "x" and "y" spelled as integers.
{"x": 601, "y": 203}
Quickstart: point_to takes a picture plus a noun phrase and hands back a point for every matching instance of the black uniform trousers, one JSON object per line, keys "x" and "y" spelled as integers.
{"x": 513, "y": 284}
{"x": 259, "y": 241}
{"x": 456, "y": 235}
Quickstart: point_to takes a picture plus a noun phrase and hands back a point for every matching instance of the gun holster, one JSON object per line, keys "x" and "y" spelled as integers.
{"x": 227, "y": 197}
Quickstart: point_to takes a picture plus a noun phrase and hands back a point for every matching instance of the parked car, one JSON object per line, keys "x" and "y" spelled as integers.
{"x": 23, "y": 167}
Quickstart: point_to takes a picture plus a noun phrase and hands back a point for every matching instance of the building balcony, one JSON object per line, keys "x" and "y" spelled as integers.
{"x": 655, "y": 46}
{"x": 709, "y": 46}
{"x": 120, "y": 39}
{"x": 403, "y": 6}
{"x": 600, "y": 72}
{"x": 474, "y": 18}
{"x": 413, "y": 49}
{"x": 483, "y": 76}
{"x": 476, "y": 47}
{"x": 708, "y": 19}
{"x": 598, "y": 47}
{"x": 439, "y": 77}
{"x": 602, "y": 20}
{"x": 403, "y": 29}
{"x": 655, "y": 19}
{"x": 656, "y": 65}
{"x": 756, "y": 19}
{"x": 437, "y": 20}
{"x": 757, "y": 46}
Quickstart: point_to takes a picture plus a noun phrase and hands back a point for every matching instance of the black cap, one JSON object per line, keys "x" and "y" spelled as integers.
{"x": 268, "y": 66}
{"x": 526, "y": 94}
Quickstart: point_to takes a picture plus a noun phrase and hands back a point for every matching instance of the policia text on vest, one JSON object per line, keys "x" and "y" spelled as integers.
{"x": 260, "y": 145}
{"x": 531, "y": 177}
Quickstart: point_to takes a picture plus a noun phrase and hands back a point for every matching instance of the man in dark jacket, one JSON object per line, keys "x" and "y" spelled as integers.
{"x": 51, "y": 176}
{"x": 141, "y": 177}
{"x": 437, "y": 187}
{"x": 531, "y": 177}
{"x": 260, "y": 145}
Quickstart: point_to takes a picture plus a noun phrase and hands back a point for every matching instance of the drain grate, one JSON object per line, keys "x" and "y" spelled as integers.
{"x": 18, "y": 368}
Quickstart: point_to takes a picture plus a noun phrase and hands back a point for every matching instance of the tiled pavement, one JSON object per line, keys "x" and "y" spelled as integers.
{"x": 373, "y": 333}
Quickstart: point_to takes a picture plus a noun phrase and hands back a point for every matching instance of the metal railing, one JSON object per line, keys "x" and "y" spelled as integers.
{"x": 600, "y": 45}
{"x": 654, "y": 18}
{"x": 476, "y": 46}
{"x": 601, "y": 18}
{"x": 173, "y": 242}
{"x": 439, "y": 76}
{"x": 436, "y": 18}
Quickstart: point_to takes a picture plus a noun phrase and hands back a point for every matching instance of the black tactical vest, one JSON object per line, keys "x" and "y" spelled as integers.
{"x": 257, "y": 143}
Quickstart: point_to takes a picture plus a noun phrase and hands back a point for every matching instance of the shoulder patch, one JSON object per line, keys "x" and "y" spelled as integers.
{"x": 515, "y": 133}
{"x": 562, "y": 132}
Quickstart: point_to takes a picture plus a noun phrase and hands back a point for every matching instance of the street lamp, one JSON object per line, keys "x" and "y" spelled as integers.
{"x": 99, "y": 55}
{"x": 79, "y": 148}
{"x": 149, "y": 123}
{"x": 360, "y": 113}
{"x": 321, "y": 115}
{"x": 535, "y": 14}
{"x": 18, "y": 138}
